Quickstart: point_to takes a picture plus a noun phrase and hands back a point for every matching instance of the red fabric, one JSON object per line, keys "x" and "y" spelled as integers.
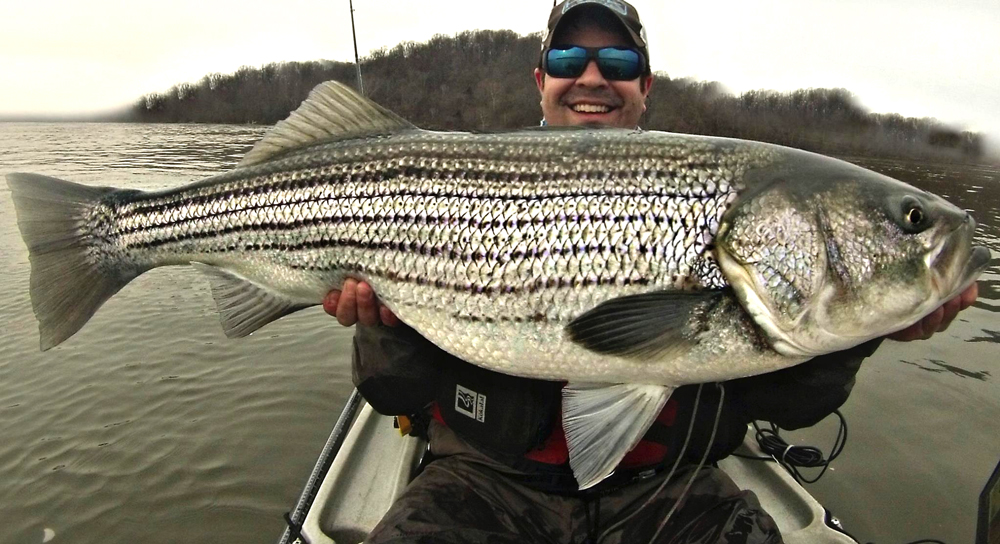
{"x": 669, "y": 413}
{"x": 555, "y": 452}
{"x": 644, "y": 454}
{"x": 436, "y": 413}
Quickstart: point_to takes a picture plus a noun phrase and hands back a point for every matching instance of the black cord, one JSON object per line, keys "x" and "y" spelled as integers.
{"x": 795, "y": 457}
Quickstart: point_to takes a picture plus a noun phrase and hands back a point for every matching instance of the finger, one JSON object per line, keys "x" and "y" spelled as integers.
{"x": 913, "y": 332}
{"x": 389, "y": 319}
{"x": 367, "y": 308}
{"x": 347, "y": 307}
{"x": 330, "y": 302}
{"x": 951, "y": 309}
{"x": 970, "y": 295}
{"x": 932, "y": 322}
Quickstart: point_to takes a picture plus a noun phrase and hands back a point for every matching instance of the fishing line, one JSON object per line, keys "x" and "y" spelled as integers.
{"x": 677, "y": 462}
{"x": 704, "y": 457}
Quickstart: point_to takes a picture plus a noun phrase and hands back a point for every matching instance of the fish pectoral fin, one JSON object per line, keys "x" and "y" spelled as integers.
{"x": 331, "y": 111}
{"x": 243, "y": 305}
{"x": 604, "y": 422}
{"x": 661, "y": 324}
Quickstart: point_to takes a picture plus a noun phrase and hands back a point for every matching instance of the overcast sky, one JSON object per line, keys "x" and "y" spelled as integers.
{"x": 936, "y": 58}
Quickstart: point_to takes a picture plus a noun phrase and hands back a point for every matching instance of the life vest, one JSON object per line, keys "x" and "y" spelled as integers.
{"x": 546, "y": 443}
{"x": 517, "y": 420}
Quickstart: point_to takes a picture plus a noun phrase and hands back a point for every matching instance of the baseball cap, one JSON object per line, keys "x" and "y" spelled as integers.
{"x": 622, "y": 10}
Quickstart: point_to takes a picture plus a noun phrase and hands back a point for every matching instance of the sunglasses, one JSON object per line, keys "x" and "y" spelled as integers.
{"x": 615, "y": 63}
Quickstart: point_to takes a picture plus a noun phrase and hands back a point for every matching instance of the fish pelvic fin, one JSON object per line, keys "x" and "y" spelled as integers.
{"x": 245, "y": 306}
{"x": 71, "y": 277}
{"x": 332, "y": 110}
{"x": 604, "y": 422}
{"x": 656, "y": 325}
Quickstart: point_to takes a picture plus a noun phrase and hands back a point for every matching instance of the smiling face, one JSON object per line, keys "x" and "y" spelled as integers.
{"x": 590, "y": 99}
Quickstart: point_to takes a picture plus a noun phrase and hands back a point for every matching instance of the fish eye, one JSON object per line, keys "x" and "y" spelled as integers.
{"x": 914, "y": 217}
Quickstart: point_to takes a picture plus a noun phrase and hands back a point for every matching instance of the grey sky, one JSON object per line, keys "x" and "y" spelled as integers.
{"x": 917, "y": 58}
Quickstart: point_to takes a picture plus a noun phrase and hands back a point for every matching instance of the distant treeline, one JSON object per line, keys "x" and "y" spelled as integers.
{"x": 481, "y": 80}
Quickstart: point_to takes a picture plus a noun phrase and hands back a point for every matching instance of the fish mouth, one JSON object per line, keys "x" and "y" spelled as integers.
{"x": 979, "y": 259}
{"x": 957, "y": 264}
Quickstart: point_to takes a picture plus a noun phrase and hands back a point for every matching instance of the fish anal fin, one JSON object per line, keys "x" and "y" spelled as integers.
{"x": 661, "y": 324}
{"x": 331, "y": 111}
{"x": 604, "y": 422}
{"x": 245, "y": 306}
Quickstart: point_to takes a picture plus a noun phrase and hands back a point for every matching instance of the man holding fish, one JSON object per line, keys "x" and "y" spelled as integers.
{"x": 628, "y": 300}
{"x": 594, "y": 71}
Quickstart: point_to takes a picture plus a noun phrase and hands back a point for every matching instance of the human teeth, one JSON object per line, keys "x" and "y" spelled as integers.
{"x": 591, "y": 108}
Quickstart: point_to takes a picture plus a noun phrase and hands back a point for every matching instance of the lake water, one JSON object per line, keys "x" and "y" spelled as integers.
{"x": 150, "y": 426}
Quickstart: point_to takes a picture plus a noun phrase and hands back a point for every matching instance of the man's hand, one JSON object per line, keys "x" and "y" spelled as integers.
{"x": 938, "y": 320}
{"x": 356, "y": 303}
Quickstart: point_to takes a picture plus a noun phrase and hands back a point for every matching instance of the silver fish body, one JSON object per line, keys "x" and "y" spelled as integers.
{"x": 593, "y": 256}
{"x": 490, "y": 245}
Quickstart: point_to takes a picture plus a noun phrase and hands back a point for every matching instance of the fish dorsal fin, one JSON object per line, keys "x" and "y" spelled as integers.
{"x": 660, "y": 324}
{"x": 604, "y": 422}
{"x": 332, "y": 110}
{"x": 245, "y": 306}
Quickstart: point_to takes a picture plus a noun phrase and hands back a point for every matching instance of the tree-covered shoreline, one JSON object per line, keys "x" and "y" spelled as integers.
{"x": 481, "y": 80}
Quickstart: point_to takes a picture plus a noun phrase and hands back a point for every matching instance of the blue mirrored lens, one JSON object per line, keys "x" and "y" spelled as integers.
{"x": 566, "y": 62}
{"x": 615, "y": 63}
{"x": 619, "y": 64}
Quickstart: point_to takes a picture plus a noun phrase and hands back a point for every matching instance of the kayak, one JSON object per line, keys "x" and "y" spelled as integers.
{"x": 366, "y": 464}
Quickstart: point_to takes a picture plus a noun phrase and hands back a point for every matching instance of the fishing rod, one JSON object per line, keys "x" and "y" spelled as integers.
{"x": 357, "y": 63}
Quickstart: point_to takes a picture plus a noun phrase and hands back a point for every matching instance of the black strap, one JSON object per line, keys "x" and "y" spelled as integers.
{"x": 294, "y": 529}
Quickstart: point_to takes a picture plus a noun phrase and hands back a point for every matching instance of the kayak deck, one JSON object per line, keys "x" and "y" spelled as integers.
{"x": 376, "y": 463}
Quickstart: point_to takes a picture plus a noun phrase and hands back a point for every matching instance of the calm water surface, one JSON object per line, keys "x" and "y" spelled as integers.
{"x": 150, "y": 426}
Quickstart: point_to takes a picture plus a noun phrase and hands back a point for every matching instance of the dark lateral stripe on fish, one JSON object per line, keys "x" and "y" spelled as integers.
{"x": 401, "y": 246}
{"x": 148, "y": 223}
{"x": 479, "y": 289}
{"x": 127, "y": 213}
{"x": 315, "y": 181}
{"x": 536, "y": 318}
{"x": 409, "y": 247}
{"x": 400, "y": 220}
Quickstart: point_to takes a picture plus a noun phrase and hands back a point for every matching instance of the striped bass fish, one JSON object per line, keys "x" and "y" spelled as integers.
{"x": 626, "y": 263}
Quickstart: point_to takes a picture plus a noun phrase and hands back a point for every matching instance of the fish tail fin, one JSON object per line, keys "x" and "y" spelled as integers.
{"x": 69, "y": 279}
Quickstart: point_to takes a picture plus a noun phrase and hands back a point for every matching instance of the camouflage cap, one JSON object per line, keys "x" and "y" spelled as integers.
{"x": 622, "y": 10}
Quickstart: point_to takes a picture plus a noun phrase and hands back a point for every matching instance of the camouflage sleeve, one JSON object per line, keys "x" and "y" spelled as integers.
{"x": 804, "y": 394}
{"x": 394, "y": 368}
{"x": 378, "y": 348}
